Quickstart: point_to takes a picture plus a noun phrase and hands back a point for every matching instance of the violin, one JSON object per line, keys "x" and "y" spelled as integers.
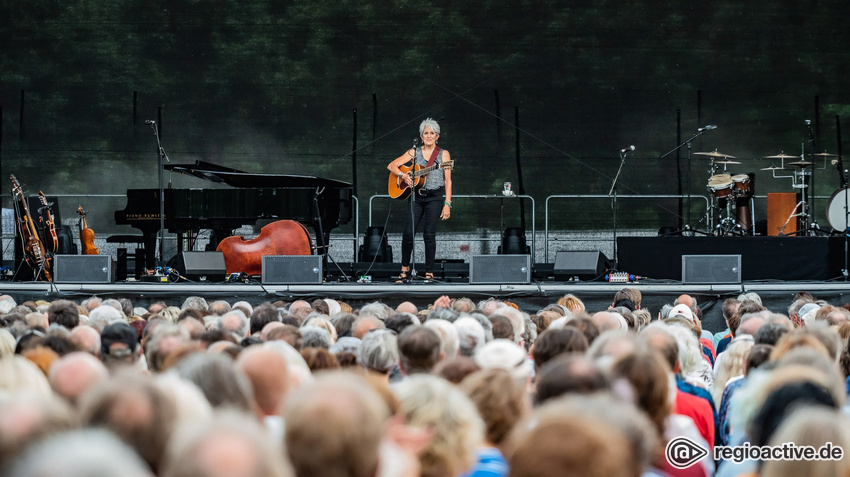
{"x": 86, "y": 235}
{"x": 30, "y": 241}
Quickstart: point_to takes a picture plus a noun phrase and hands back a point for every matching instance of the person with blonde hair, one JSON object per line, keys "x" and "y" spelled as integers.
{"x": 732, "y": 366}
{"x": 571, "y": 302}
{"x": 457, "y": 430}
{"x": 811, "y": 426}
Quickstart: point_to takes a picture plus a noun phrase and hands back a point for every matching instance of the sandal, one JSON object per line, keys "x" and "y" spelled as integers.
{"x": 429, "y": 277}
{"x": 403, "y": 276}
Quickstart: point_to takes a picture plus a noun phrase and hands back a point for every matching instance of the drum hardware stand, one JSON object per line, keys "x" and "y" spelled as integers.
{"x": 688, "y": 142}
{"x": 613, "y": 194}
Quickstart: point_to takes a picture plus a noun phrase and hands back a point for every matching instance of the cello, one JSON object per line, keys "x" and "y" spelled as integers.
{"x": 283, "y": 237}
{"x": 30, "y": 241}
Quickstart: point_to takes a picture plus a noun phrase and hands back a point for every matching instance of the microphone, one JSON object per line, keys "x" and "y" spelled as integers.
{"x": 150, "y": 121}
{"x": 710, "y": 126}
{"x": 630, "y": 148}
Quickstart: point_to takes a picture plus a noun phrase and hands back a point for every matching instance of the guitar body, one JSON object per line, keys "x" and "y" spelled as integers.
{"x": 398, "y": 189}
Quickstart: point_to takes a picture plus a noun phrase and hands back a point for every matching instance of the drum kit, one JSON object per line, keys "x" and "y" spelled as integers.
{"x": 729, "y": 191}
{"x": 732, "y": 195}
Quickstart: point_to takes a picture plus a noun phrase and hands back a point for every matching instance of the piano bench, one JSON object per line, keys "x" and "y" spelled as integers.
{"x": 122, "y": 255}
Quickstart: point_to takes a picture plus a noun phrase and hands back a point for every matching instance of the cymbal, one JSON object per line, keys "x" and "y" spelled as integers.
{"x": 713, "y": 154}
{"x": 781, "y": 156}
{"x": 824, "y": 154}
{"x": 801, "y": 163}
{"x": 772, "y": 168}
{"x": 727, "y": 162}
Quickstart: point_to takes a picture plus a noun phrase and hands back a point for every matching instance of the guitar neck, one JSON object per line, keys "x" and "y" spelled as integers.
{"x": 425, "y": 170}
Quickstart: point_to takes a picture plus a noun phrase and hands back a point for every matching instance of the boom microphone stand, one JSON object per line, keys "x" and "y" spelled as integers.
{"x": 613, "y": 194}
{"x": 688, "y": 142}
{"x": 161, "y": 156}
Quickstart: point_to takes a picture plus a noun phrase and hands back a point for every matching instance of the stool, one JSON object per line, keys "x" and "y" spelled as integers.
{"x": 122, "y": 255}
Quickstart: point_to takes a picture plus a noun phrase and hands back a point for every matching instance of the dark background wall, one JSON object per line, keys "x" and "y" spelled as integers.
{"x": 272, "y": 86}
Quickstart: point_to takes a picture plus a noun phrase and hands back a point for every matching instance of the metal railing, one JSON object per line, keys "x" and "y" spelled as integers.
{"x": 606, "y": 196}
{"x": 476, "y": 196}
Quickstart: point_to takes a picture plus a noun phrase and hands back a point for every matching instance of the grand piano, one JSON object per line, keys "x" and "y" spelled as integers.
{"x": 314, "y": 201}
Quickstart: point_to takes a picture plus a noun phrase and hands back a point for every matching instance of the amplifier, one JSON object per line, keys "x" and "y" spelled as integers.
{"x": 502, "y": 269}
{"x": 292, "y": 269}
{"x": 709, "y": 269}
{"x": 82, "y": 269}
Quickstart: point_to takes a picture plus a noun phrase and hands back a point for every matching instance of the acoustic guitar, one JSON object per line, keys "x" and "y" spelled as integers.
{"x": 31, "y": 242}
{"x": 51, "y": 240}
{"x": 398, "y": 188}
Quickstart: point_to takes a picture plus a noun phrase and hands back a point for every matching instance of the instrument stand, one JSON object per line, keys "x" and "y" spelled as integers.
{"x": 613, "y": 194}
{"x": 161, "y": 155}
{"x": 688, "y": 142}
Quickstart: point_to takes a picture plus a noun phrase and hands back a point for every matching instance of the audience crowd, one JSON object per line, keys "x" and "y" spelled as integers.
{"x": 103, "y": 388}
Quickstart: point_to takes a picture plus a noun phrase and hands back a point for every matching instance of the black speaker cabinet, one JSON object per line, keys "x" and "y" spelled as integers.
{"x": 584, "y": 265}
{"x": 292, "y": 269}
{"x": 502, "y": 269}
{"x": 708, "y": 269}
{"x": 202, "y": 266}
{"x": 82, "y": 269}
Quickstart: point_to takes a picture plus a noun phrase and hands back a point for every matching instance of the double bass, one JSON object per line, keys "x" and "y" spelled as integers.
{"x": 31, "y": 243}
{"x": 283, "y": 237}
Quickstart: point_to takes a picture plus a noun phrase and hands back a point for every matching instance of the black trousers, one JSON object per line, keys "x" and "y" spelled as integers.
{"x": 426, "y": 214}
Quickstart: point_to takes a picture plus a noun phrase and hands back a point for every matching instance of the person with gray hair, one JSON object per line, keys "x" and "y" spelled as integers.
{"x": 80, "y": 453}
{"x": 376, "y": 309}
{"x": 448, "y": 337}
{"x": 379, "y": 351}
{"x": 196, "y": 449}
{"x": 219, "y": 379}
{"x": 114, "y": 304}
{"x": 103, "y": 315}
{"x": 431, "y": 202}
{"x": 441, "y": 313}
{"x": 234, "y": 322}
{"x": 195, "y": 302}
{"x": 87, "y": 339}
{"x": 315, "y": 337}
{"x": 470, "y": 335}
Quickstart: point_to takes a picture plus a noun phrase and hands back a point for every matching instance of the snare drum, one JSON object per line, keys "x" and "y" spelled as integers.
{"x": 720, "y": 185}
{"x": 742, "y": 186}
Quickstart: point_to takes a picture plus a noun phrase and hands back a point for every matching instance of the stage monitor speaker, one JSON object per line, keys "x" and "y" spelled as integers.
{"x": 202, "y": 266}
{"x": 502, "y": 269}
{"x": 710, "y": 269}
{"x": 588, "y": 265}
{"x": 82, "y": 269}
{"x": 292, "y": 270}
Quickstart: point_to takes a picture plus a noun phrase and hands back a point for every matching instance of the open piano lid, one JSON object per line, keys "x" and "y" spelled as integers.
{"x": 232, "y": 177}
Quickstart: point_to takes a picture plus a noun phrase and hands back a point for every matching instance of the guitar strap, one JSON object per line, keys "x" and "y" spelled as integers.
{"x": 434, "y": 155}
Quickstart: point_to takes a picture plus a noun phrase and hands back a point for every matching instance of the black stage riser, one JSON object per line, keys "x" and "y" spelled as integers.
{"x": 762, "y": 258}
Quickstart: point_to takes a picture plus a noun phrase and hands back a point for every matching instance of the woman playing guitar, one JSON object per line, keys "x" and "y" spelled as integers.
{"x": 433, "y": 200}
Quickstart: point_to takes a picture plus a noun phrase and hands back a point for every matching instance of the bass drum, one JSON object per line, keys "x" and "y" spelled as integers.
{"x": 836, "y": 211}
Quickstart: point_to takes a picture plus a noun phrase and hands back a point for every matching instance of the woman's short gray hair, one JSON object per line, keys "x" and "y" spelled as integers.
{"x": 379, "y": 351}
{"x": 429, "y": 123}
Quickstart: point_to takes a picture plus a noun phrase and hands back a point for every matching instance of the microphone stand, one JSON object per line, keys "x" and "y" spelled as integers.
{"x": 613, "y": 194}
{"x": 161, "y": 156}
{"x": 687, "y": 142}
{"x": 412, "y": 271}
